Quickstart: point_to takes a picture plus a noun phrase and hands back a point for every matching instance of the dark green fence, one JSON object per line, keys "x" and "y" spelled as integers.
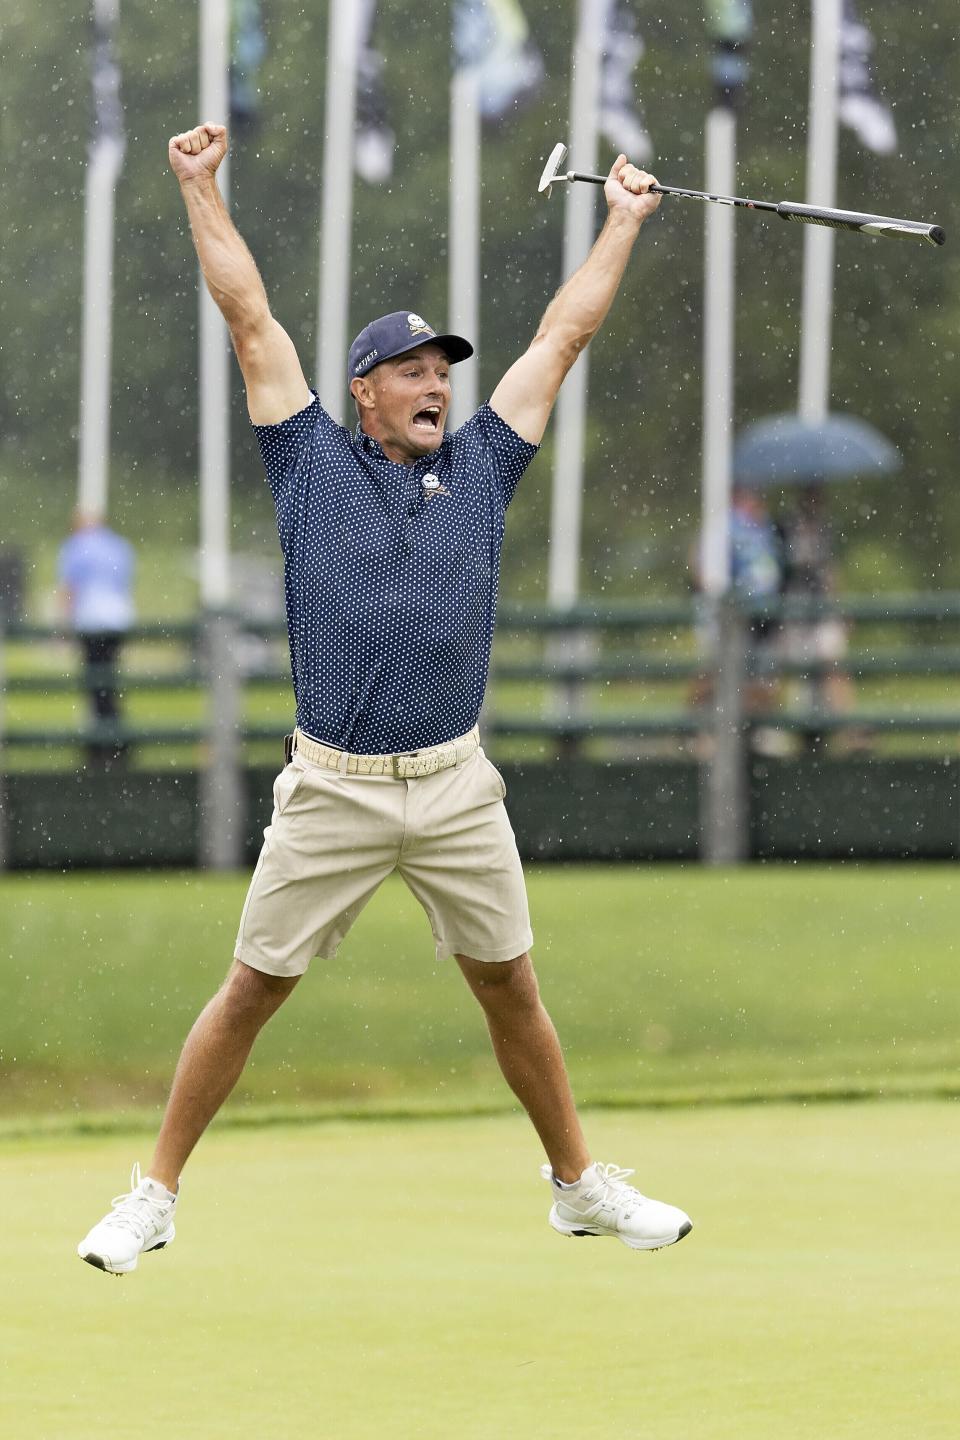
{"x": 809, "y": 809}
{"x": 592, "y": 718}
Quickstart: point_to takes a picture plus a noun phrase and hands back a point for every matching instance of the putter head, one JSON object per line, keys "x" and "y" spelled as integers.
{"x": 551, "y": 171}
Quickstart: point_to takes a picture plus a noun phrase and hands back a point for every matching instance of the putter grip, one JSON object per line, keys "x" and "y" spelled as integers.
{"x": 868, "y": 224}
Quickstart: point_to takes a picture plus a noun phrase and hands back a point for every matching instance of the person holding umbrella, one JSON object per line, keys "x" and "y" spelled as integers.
{"x": 806, "y": 455}
{"x": 756, "y": 579}
{"x": 817, "y": 640}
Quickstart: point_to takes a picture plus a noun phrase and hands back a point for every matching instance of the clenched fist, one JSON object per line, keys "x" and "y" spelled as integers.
{"x": 627, "y": 188}
{"x": 195, "y": 154}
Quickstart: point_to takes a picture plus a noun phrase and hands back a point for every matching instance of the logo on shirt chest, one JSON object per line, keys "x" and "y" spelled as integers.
{"x": 431, "y": 486}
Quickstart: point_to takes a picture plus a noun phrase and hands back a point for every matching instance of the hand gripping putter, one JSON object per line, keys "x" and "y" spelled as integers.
{"x": 882, "y": 225}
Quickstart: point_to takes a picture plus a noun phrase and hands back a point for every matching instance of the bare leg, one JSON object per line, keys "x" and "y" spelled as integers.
{"x": 210, "y": 1063}
{"x": 528, "y": 1052}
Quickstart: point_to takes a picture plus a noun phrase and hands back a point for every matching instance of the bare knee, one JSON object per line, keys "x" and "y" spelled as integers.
{"x": 250, "y": 995}
{"x": 502, "y": 985}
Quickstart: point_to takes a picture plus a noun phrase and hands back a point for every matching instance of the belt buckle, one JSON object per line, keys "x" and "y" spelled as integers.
{"x": 395, "y": 762}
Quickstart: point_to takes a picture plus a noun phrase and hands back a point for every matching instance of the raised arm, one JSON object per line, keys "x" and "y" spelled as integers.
{"x": 271, "y": 370}
{"x": 525, "y": 395}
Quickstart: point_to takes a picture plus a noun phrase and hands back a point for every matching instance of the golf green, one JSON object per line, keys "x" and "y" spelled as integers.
{"x": 399, "y": 1279}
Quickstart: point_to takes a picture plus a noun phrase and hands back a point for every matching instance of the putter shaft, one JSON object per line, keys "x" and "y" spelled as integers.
{"x": 880, "y": 225}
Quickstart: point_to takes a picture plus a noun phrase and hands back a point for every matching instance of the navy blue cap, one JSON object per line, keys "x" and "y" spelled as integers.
{"x": 395, "y": 334}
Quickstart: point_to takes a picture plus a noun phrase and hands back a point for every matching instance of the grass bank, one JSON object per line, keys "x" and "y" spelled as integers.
{"x": 669, "y": 985}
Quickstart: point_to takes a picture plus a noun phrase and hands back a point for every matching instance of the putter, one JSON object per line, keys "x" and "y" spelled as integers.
{"x": 882, "y": 225}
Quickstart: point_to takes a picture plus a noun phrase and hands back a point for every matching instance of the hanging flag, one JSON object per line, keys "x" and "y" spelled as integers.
{"x": 622, "y": 123}
{"x": 246, "y": 56}
{"x": 730, "y": 23}
{"x": 861, "y": 109}
{"x": 107, "y": 140}
{"x": 374, "y": 139}
{"x": 492, "y": 37}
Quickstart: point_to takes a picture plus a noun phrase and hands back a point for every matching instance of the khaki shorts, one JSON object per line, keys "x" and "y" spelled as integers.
{"x": 334, "y": 838}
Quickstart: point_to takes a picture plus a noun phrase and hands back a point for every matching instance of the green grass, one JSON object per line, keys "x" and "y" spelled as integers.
{"x": 399, "y": 1279}
{"x": 668, "y": 984}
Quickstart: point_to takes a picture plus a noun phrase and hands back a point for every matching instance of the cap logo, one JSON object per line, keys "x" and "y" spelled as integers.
{"x": 362, "y": 365}
{"x": 419, "y": 326}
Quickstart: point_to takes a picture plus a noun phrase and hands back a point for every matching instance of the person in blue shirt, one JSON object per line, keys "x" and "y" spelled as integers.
{"x": 391, "y": 542}
{"x": 756, "y": 579}
{"x": 756, "y": 548}
{"x": 95, "y": 569}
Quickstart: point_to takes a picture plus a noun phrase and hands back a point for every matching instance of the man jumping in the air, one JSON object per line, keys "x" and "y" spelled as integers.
{"x": 391, "y": 542}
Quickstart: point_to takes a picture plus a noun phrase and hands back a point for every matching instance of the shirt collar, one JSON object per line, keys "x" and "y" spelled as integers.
{"x": 368, "y": 445}
{"x": 374, "y": 449}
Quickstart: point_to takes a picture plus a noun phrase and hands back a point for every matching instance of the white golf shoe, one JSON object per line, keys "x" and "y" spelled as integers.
{"x": 600, "y": 1203}
{"x": 139, "y": 1221}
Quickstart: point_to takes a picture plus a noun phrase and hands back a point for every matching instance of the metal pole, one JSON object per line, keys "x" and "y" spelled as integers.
{"x": 566, "y": 501}
{"x": 221, "y": 781}
{"x": 818, "y": 241}
{"x": 718, "y": 354}
{"x": 725, "y": 810}
{"x": 214, "y": 343}
{"x": 343, "y": 34}
{"x": 578, "y": 235}
{"x": 97, "y": 327}
{"x": 221, "y": 791}
{"x": 463, "y": 303}
{"x": 96, "y": 351}
{"x": 724, "y": 837}
{"x": 463, "y": 287}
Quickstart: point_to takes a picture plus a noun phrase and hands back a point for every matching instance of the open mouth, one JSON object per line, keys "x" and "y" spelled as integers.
{"x": 427, "y": 419}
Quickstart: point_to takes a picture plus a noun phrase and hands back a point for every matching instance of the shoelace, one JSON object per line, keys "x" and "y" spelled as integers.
{"x": 136, "y": 1212}
{"x": 610, "y": 1178}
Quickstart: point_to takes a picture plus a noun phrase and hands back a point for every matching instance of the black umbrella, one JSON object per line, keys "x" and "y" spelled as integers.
{"x": 788, "y": 450}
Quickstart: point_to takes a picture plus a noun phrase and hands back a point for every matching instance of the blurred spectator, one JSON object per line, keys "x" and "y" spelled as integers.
{"x": 819, "y": 641}
{"x": 95, "y": 570}
{"x": 756, "y": 577}
{"x": 756, "y": 554}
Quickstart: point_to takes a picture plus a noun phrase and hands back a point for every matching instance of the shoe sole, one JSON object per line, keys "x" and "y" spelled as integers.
{"x": 101, "y": 1262}
{"x": 660, "y": 1243}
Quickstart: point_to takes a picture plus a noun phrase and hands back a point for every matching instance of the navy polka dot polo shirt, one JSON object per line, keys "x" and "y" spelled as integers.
{"x": 391, "y": 576}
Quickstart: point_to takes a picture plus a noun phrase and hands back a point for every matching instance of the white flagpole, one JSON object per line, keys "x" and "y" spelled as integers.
{"x": 96, "y": 351}
{"x": 718, "y": 352}
{"x": 817, "y": 316}
{"x": 221, "y": 789}
{"x": 579, "y": 229}
{"x": 343, "y": 34}
{"x": 723, "y": 838}
{"x": 463, "y": 301}
{"x": 214, "y": 344}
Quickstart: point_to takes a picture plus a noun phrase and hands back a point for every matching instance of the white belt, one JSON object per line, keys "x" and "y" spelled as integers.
{"x": 409, "y": 766}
